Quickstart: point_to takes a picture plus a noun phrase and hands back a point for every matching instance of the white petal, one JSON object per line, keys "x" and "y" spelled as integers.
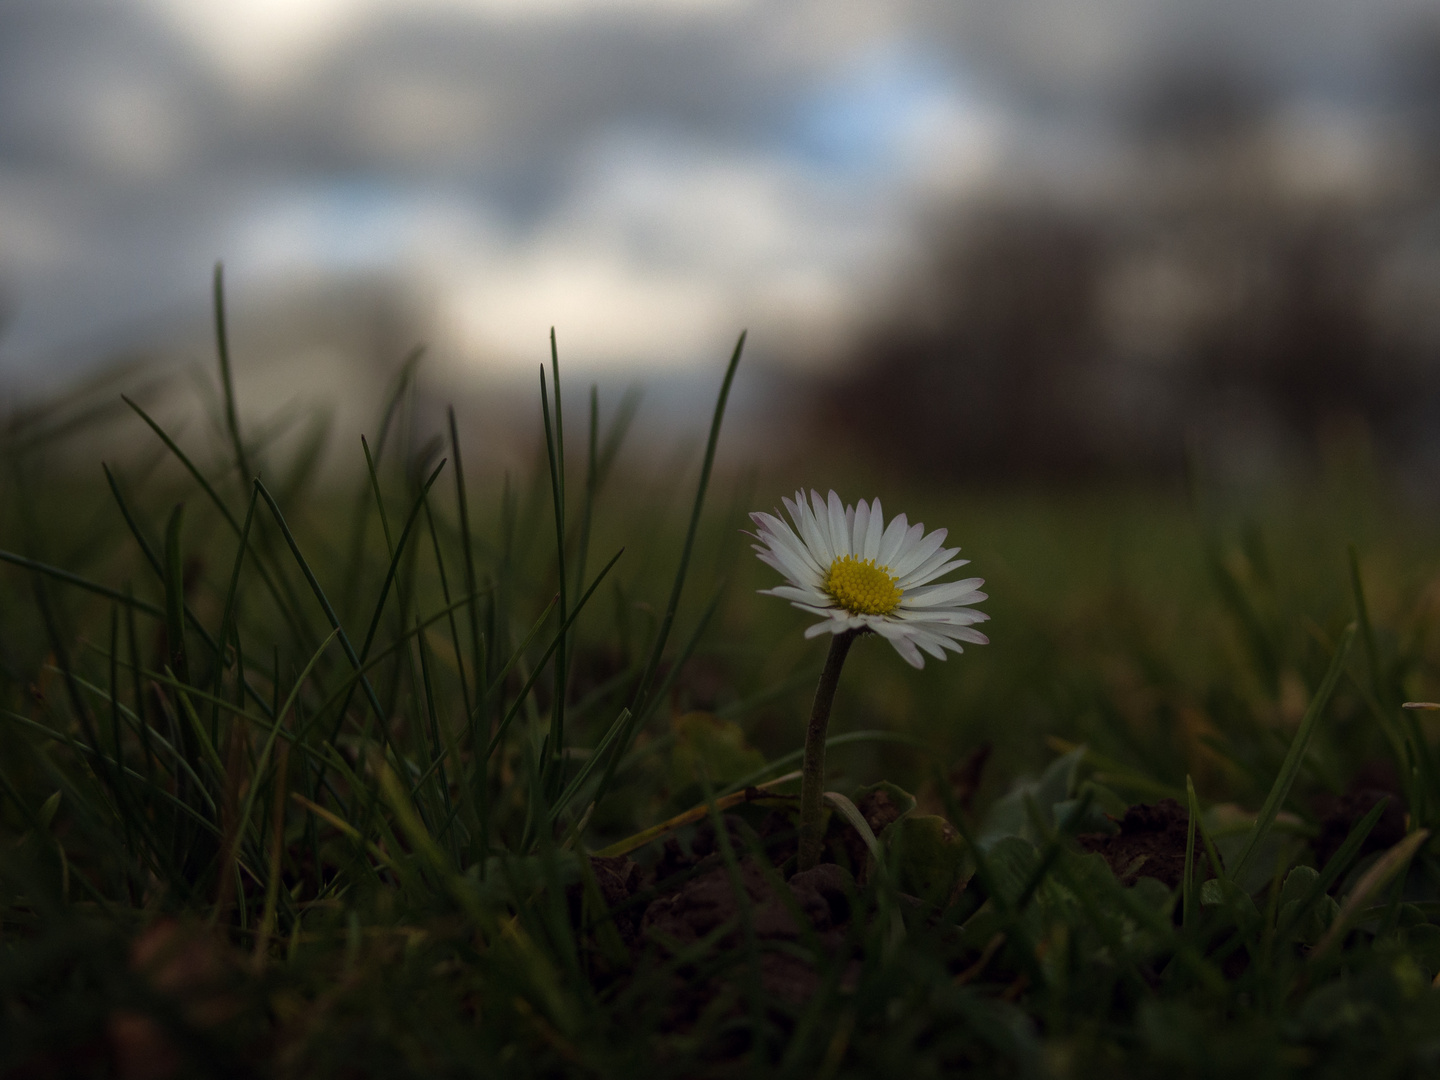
{"x": 926, "y": 570}
{"x": 948, "y": 592}
{"x": 908, "y": 543}
{"x": 941, "y": 637}
{"x": 942, "y": 633}
{"x": 930, "y": 644}
{"x": 869, "y": 544}
{"x": 959, "y": 603}
{"x": 903, "y": 641}
{"x": 941, "y": 616}
{"x": 909, "y": 540}
{"x": 839, "y": 532}
{"x": 912, "y": 557}
{"x": 793, "y": 508}
{"x": 837, "y": 624}
{"x": 791, "y": 545}
{"x": 923, "y": 576}
{"x": 768, "y": 525}
{"x": 769, "y": 558}
{"x": 784, "y": 542}
{"x": 965, "y": 633}
{"x": 859, "y": 526}
{"x": 815, "y": 535}
{"x": 802, "y": 596}
{"x": 890, "y": 542}
{"x": 775, "y": 526}
{"x": 799, "y": 569}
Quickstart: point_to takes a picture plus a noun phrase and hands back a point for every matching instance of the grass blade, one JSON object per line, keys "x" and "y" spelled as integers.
{"x": 1376, "y": 878}
{"x": 395, "y": 556}
{"x": 638, "y": 722}
{"x": 596, "y": 756}
{"x": 642, "y": 692}
{"x": 82, "y": 583}
{"x": 1187, "y": 896}
{"x": 325, "y": 606}
{"x": 1257, "y": 637}
{"x": 462, "y": 501}
{"x": 227, "y": 618}
{"x": 555, "y": 451}
{"x": 1367, "y": 632}
{"x": 1296, "y": 756}
{"x": 379, "y": 499}
{"x": 694, "y": 814}
{"x": 227, "y": 381}
{"x": 1337, "y": 865}
{"x": 175, "y": 596}
{"x": 149, "y": 552}
{"x": 284, "y": 603}
{"x": 554, "y": 645}
{"x": 258, "y": 770}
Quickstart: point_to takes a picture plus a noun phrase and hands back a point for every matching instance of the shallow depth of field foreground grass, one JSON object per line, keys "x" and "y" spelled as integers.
{"x": 298, "y": 777}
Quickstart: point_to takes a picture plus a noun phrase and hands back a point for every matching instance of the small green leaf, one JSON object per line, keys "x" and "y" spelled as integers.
{"x": 1100, "y": 813}
{"x": 1228, "y": 895}
{"x": 1012, "y": 860}
{"x": 1057, "y": 782}
{"x": 48, "y": 809}
{"x": 702, "y": 737}
{"x": 929, "y": 856}
{"x": 1423, "y": 943}
{"x": 1308, "y": 926}
{"x": 1152, "y": 893}
{"x": 1008, "y": 815}
{"x": 1298, "y": 884}
{"x": 901, "y": 799}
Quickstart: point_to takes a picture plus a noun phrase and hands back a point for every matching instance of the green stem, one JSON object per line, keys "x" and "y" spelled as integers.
{"x": 812, "y": 776}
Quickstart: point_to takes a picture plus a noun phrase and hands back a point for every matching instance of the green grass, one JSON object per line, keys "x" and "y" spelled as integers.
{"x": 296, "y": 767}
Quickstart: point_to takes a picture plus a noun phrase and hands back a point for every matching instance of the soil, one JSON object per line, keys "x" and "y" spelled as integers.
{"x": 1151, "y": 840}
{"x": 706, "y": 903}
{"x": 1150, "y": 843}
{"x": 965, "y": 776}
{"x": 688, "y": 895}
{"x": 1339, "y": 815}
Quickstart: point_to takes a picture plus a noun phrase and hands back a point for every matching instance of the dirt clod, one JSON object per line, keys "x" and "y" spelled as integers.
{"x": 619, "y": 879}
{"x": 1150, "y": 843}
{"x": 1344, "y": 813}
{"x": 707, "y": 902}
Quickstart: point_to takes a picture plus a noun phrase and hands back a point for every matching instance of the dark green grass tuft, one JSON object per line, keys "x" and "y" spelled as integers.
{"x": 297, "y": 776}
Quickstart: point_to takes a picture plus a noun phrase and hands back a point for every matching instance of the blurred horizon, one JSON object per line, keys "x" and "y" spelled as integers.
{"x": 990, "y": 239}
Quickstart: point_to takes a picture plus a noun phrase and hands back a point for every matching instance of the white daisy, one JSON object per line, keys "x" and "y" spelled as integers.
{"x": 844, "y": 563}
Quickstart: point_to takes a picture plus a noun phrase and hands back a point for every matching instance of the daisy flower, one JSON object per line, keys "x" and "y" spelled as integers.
{"x": 846, "y": 565}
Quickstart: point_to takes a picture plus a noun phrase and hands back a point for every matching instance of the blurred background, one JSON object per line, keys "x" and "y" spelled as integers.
{"x": 1141, "y": 299}
{"x": 993, "y": 239}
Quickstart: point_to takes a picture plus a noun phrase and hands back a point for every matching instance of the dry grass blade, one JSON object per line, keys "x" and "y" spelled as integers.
{"x": 1376, "y": 878}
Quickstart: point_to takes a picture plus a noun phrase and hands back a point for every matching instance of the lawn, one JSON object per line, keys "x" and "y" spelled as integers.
{"x": 413, "y": 767}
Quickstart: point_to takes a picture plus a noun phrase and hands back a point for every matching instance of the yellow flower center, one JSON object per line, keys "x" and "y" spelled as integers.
{"x": 861, "y": 587}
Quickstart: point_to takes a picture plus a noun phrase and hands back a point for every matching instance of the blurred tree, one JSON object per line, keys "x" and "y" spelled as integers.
{"x": 1051, "y": 342}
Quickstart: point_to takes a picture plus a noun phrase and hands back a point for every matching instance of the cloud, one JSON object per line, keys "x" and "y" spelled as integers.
{"x": 655, "y": 172}
{"x": 657, "y": 259}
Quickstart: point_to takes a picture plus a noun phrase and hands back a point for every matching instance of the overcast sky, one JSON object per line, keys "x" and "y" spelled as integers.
{"x": 648, "y": 175}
